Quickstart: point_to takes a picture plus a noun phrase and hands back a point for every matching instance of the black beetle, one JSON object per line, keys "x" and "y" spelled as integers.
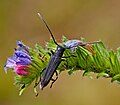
{"x": 56, "y": 58}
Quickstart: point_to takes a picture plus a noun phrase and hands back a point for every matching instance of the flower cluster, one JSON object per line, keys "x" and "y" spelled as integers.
{"x": 27, "y": 63}
{"x": 20, "y": 61}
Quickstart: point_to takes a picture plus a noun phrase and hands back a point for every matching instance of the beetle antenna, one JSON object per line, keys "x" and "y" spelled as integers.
{"x": 47, "y": 28}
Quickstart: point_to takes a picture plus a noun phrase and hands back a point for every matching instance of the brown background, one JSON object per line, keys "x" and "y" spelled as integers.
{"x": 92, "y": 19}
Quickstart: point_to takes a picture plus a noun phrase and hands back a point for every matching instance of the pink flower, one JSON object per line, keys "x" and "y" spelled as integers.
{"x": 20, "y": 70}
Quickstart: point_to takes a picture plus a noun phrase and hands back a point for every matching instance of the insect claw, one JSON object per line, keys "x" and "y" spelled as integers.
{"x": 53, "y": 80}
{"x": 41, "y": 87}
{"x": 36, "y": 94}
{"x": 52, "y": 83}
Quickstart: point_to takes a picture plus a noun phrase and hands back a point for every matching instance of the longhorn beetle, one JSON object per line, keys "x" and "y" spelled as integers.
{"x": 56, "y": 58}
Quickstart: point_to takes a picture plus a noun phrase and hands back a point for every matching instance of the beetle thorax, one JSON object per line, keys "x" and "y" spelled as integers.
{"x": 59, "y": 51}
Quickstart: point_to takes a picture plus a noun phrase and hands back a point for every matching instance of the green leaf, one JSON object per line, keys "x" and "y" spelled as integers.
{"x": 102, "y": 74}
{"x": 71, "y": 71}
{"x": 88, "y": 74}
{"x": 64, "y": 39}
{"x": 116, "y": 77}
{"x": 83, "y": 39}
{"x": 21, "y": 91}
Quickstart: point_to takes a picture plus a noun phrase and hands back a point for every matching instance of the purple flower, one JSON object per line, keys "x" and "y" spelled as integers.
{"x": 21, "y": 54}
{"x": 20, "y": 61}
{"x": 23, "y": 61}
{"x": 10, "y": 64}
{"x": 22, "y": 47}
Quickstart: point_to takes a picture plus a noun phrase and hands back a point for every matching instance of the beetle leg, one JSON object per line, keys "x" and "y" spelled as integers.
{"x": 66, "y": 62}
{"x": 49, "y": 53}
{"x": 23, "y": 86}
{"x": 36, "y": 83}
{"x": 63, "y": 60}
{"x": 53, "y": 80}
{"x": 52, "y": 52}
{"x": 41, "y": 73}
{"x": 66, "y": 59}
{"x": 68, "y": 56}
{"x": 46, "y": 53}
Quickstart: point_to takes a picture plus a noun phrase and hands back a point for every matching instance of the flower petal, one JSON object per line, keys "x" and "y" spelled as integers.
{"x": 20, "y": 70}
{"x": 23, "y": 61}
{"x": 22, "y": 54}
{"x": 21, "y": 46}
{"x": 10, "y": 63}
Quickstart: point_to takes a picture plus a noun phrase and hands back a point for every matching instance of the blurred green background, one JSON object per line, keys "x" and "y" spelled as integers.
{"x": 91, "y": 19}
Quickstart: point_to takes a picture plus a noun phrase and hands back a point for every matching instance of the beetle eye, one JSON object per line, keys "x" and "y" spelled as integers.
{"x": 58, "y": 48}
